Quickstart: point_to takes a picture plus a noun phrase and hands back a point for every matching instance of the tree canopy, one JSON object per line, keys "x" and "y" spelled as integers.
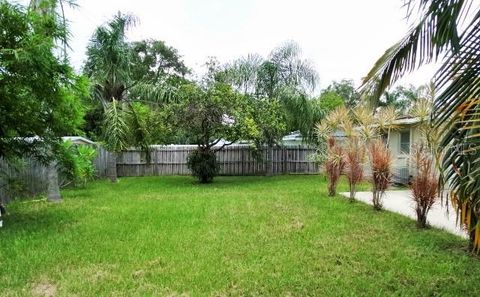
{"x": 40, "y": 94}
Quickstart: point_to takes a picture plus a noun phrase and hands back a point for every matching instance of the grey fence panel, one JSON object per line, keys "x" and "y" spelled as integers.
{"x": 172, "y": 160}
{"x": 30, "y": 175}
{"x": 232, "y": 160}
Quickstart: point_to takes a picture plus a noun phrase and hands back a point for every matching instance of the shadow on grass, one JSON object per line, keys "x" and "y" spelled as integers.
{"x": 44, "y": 218}
{"x": 222, "y": 181}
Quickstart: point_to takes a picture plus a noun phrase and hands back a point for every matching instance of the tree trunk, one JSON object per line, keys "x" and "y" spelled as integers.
{"x": 352, "y": 192}
{"x": 112, "y": 167}
{"x": 472, "y": 232}
{"x": 53, "y": 189}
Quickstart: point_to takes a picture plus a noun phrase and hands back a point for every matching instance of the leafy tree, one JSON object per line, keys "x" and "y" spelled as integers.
{"x": 40, "y": 92}
{"x": 154, "y": 60}
{"x": 270, "y": 122}
{"x": 346, "y": 90}
{"x": 401, "y": 98}
{"x": 216, "y": 116}
{"x": 438, "y": 35}
{"x": 329, "y": 101}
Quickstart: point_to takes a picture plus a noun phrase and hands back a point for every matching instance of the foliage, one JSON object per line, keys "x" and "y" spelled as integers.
{"x": 302, "y": 113}
{"x": 154, "y": 60}
{"x": 108, "y": 62}
{"x": 203, "y": 164}
{"x": 424, "y": 185}
{"x": 447, "y": 30}
{"x": 380, "y": 162}
{"x": 76, "y": 164}
{"x": 213, "y": 113}
{"x": 401, "y": 98}
{"x": 345, "y": 90}
{"x": 385, "y": 121}
{"x": 354, "y": 157}
{"x": 40, "y": 92}
{"x": 269, "y": 120}
{"x": 334, "y": 165}
{"x": 358, "y": 131}
{"x": 131, "y": 82}
{"x": 215, "y": 116}
{"x": 282, "y": 76}
{"x": 329, "y": 101}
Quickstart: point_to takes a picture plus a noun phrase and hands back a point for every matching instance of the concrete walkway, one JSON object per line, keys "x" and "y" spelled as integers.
{"x": 401, "y": 202}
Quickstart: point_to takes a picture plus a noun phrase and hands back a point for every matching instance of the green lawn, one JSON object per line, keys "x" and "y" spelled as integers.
{"x": 274, "y": 236}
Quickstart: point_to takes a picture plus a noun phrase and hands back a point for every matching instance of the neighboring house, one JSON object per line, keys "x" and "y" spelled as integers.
{"x": 294, "y": 138}
{"x": 79, "y": 140}
{"x": 406, "y": 134}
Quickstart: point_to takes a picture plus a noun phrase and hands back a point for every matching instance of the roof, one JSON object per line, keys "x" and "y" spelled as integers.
{"x": 78, "y": 140}
{"x": 407, "y": 120}
{"x": 296, "y": 135}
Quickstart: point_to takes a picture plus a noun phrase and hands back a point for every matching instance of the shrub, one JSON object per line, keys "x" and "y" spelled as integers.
{"x": 76, "y": 164}
{"x": 424, "y": 185}
{"x": 334, "y": 165}
{"x": 381, "y": 161}
{"x": 354, "y": 156}
{"x": 203, "y": 164}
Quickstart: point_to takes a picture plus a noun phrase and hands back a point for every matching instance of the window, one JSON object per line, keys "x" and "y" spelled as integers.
{"x": 405, "y": 142}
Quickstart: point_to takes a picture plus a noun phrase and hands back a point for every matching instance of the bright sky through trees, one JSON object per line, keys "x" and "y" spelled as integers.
{"x": 343, "y": 38}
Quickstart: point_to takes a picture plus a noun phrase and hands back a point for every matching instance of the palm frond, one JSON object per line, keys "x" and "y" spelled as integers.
{"x": 116, "y": 129}
{"x": 435, "y": 33}
{"x": 157, "y": 94}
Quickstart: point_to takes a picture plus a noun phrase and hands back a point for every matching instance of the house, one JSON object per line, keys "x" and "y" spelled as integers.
{"x": 400, "y": 141}
{"x": 294, "y": 138}
{"x": 79, "y": 140}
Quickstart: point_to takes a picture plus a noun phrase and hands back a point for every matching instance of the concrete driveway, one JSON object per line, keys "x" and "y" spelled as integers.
{"x": 401, "y": 202}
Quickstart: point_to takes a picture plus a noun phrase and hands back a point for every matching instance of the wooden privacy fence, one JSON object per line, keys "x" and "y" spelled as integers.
{"x": 29, "y": 177}
{"x": 233, "y": 160}
{"x": 170, "y": 160}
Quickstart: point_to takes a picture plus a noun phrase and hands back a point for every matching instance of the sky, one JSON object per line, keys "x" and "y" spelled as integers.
{"x": 342, "y": 38}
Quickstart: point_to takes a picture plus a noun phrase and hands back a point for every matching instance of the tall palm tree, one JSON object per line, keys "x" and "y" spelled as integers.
{"x": 283, "y": 76}
{"x": 447, "y": 32}
{"x": 109, "y": 68}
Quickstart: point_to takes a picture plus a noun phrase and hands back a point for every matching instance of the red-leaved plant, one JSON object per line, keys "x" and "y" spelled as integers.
{"x": 424, "y": 185}
{"x": 381, "y": 162}
{"x": 353, "y": 157}
{"x": 334, "y": 165}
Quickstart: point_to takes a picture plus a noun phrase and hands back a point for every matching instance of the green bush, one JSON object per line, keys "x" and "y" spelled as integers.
{"x": 76, "y": 164}
{"x": 203, "y": 165}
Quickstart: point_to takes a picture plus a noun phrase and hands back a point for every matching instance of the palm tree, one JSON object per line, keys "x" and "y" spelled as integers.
{"x": 109, "y": 68}
{"x": 282, "y": 76}
{"x": 447, "y": 32}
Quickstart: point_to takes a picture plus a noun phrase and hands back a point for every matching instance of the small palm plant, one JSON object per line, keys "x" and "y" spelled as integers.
{"x": 334, "y": 165}
{"x": 353, "y": 157}
{"x": 381, "y": 162}
{"x": 385, "y": 121}
{"x": 424, "y": 185}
